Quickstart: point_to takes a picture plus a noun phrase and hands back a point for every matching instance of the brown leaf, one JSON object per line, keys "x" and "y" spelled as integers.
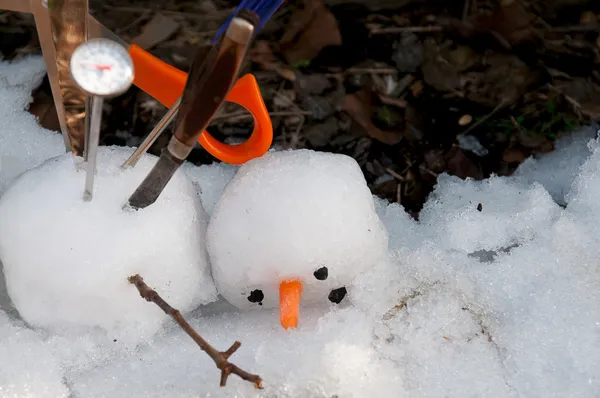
{"x": 514, "y": 155}
{"x": 530, "y": 139}
{"x": 262, "y": 54}
{"x": 461, "y": 166}
{"x": 437, "y": 70}
{"x": 489, "y": 85}
{"x": 157, "y": 30}
{"x": 43, "y": 108}
{"x": 509, "y": 23}
{"x": 413, "y": 131}
{"x": 311, "y": 29}
{"x": 359, "y": 106}
{"x": 434, "y": 159}
{"x": 319, "y": 135}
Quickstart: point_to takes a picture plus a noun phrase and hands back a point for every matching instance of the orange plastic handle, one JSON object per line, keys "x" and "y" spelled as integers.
{"x": 166, "y": 83}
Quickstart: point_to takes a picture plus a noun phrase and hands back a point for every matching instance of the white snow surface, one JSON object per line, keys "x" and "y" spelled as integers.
{"x": 278, "y": 211}
{"x": 501, "y": 302}
{"x": 557, "y": 170}
{"x": 27, "y": 366}
{"x": 23, "y": 143}
{"x": 66, "y": 260}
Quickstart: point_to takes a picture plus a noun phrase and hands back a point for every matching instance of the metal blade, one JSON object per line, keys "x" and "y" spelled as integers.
{"x": 154, "y": 134}
{"x": 209, "y": 81}
{"x": 156, "y": 181}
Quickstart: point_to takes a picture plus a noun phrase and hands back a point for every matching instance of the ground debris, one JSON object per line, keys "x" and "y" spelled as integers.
{"x": 396, "y": 84}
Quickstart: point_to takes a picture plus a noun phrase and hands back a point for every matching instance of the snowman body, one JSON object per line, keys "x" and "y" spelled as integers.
{"x": 295, "y": 215}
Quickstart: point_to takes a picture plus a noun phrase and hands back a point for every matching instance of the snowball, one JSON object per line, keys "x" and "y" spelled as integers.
{"x": 27, "y": 367}
{"x": 556, "y": 170}
{"x": 66, "y": 261}
{"x": 23, "y": 143}
{"x": 285, "y": 216}
{"x": 492, "y": 214}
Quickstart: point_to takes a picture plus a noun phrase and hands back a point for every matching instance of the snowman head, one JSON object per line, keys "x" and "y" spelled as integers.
{"x": 291, "y": 228}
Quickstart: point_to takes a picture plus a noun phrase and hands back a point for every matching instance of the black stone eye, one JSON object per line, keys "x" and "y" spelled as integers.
{"x": 337, "y": 295}
{"x": 256, "y": 296}
{"x": 321, "y": 274}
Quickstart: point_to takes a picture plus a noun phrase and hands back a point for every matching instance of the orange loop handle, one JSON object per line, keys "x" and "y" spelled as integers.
{"x": 165, "y": 83}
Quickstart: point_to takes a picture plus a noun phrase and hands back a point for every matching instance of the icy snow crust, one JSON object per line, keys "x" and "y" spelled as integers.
{"x": 498, "y": 302}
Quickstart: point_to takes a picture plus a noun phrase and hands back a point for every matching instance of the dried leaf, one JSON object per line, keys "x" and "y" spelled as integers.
{"x": 437, "y": 71}
{"x": 43, "y": 108}
{"x": 262, "y": 54}
{"x": 408, "y": 52}
{"x": 509, "y": 23}
{"x": 434, "y": 159}
{"x": 414, "y": 129}
{"x": 157, "y": 30}
{"x": 488, "y": 86}
{"x": 461, "y": 166}
{"x": 359, "y": 106}
{"x": 319, "y": 135}
{"x": 311, "y": 29}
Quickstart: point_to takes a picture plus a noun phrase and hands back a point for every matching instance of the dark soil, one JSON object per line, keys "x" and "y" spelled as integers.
{"x": 409, "y": 88}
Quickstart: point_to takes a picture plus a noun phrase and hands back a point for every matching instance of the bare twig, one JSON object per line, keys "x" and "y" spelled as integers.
{"x": 208, "y": 17}
{"x": 240, "y": 116}
{"x": 403, "y": 29}
{"x": 395, "y": 174}
{"x": 219, "y": 357}
{"x": 466, "y": 9}
{"x": 486, "y": 117}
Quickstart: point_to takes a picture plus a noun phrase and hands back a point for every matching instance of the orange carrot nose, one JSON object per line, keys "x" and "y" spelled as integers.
{"x": 289, "y": 303}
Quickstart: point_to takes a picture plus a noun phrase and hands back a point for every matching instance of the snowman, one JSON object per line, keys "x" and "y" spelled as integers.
{"x": 293, "y": 228}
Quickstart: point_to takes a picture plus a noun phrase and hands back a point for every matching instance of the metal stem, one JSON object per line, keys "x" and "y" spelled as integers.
{"x": 96, "y": 119}
{"x": 154, "y": 134}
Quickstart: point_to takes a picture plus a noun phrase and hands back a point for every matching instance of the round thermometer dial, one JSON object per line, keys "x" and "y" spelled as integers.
{"x": 102, "y": 67}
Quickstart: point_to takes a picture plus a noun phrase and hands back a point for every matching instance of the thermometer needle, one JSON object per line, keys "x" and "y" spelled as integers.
{"x": 102, "y": 69}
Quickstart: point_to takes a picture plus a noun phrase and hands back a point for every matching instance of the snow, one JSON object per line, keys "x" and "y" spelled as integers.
{"x": 497, "y": 300}
{"x": 557, "y": 170}
{"x": 485, "y": 222}
{"x": 27, "y": 366}
{"x": 278, "y": 211}
{"x": 210, "y": 181}
{"x": 23, "y": 143}
{"x": 67, "y": 261}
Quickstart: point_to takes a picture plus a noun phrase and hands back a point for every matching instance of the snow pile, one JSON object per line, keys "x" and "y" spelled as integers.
{"x": 493, "y": 293}
{"x": 329, "y": 354}
{"x": 23, "y": 143}
{"x": 557, "y": 170}
{"x": 485, "y": 222}
{"x": 273, "y": 218}
{"x": 27, "y": 366}
{"x": 67, "y": 261}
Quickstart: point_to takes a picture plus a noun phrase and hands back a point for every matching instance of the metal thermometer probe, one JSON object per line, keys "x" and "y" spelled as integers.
{"x": 101, "y": 68}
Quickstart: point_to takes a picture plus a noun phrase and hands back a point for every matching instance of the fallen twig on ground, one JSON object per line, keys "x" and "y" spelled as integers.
{"x": 220, "y": 358}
